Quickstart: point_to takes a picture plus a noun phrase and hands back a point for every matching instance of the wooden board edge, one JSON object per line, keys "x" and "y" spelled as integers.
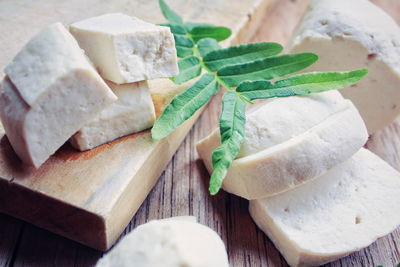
{"x": 53, "y": 215}
{"x": 132, "y": 198}
{"x": 247, "y": 29}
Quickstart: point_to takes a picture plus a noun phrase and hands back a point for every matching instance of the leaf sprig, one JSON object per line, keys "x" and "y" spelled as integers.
{"x": 245, "y": 71}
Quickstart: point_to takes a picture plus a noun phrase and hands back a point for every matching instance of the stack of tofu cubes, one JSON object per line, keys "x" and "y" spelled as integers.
{"x": 313, "y": 188}
{"x": 87, "y": 84}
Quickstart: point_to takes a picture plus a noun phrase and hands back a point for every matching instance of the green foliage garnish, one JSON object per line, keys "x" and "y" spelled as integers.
{"x": 207, "y": 45}
{"x": 302, "y": 84}
{"x": 265, "y": 69}
{"x": 184, "y": 105}
{"x": 245, "y": 71}
{"x": 190, "y": 67}
{"x": 207, "y": 31}
{"x": 169, "y": 14}
{"x": 231, "y": 125}
{"x": 215, "y": 60}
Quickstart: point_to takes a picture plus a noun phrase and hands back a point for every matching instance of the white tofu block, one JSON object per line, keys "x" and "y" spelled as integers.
{"x": 126, "y": 49}
{"x": 290, "y": 141}
{"x": 355, "y": 34}
{"x": 343, "y": 211}
{"x": 131, "y": 113}
{"x": 56, "y": 92}
{"x": 170, "y": 242}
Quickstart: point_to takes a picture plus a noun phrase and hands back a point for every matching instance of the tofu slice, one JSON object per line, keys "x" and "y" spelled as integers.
{"x": 50, "y": 93}
{"x": 348, "y": 35}
{"x": 169, "y": 242}
{"x": 343, "y": 211}
{"x": 288, "y": 142}
{"x": 126, "y": 49}
{"x": 131, "y": 113}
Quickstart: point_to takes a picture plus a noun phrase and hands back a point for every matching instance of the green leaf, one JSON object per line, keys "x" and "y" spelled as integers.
{"x": 169, "y": 14}
{"x": 208, "y": 31}
{"x": 302, "y": 84}
{"x": 175, "y": 28}
{"x": 266, "y": 69}
{"x": 207, "y": 45}
{"x": 240, "y": 54}
{"x": 184, "y": 45}
{"x": 232, "y": 125}
{"x": 183, "y": 51}
{"x": 184, "y": 105}
{"x": 190, "y": 25}
{"x": 189, "y": 68}
{"x": 182, "y": 40}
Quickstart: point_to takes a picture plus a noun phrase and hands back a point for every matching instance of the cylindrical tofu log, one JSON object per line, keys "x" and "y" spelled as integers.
{"x": 343, "y": 211}
{"x": 354, "y": 34}
{"x": 131, "y": 113}
{"x": 51, "y": 91}
{"x": 172, "y": 242}
{"x": 290, "y": 141}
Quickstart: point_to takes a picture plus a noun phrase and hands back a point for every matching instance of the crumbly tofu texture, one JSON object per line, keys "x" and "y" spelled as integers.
{"x": 288, "y": 142}
{"x": 66, "y": 93}
{"x": 131, "y": 113}
{"x": 49, "y": 56}
{"x": 343, "y": 211}
{"x": 169, "y": 242}
{"x": 355, "y": 34}
{"x": 126, "y": 49}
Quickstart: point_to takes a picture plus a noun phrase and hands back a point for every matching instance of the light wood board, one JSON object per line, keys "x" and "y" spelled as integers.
{"x": 91, "y": 196}
{"x": 182, "y": 190}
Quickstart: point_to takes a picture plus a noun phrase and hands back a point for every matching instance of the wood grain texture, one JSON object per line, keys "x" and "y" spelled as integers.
{"x": 182, "y": 190}
{"x": 9, "y": 234}
{"x": 91, "y": 196}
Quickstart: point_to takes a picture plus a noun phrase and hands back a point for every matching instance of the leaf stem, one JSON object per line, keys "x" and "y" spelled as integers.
{"x": 223, "y": 84}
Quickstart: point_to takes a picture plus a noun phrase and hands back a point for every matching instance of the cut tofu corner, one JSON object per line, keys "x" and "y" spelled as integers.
{"x": 133, "y": 112}
{"x": 123, "y": 57}
{"x": 340, "y": 212}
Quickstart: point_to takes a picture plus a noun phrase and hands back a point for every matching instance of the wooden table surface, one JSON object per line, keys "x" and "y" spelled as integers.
{"x": 182, "y": 190}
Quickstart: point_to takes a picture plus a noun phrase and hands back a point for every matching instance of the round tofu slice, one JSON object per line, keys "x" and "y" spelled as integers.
{"x": 177, "y": 241}
{"x": 288, "y": 142}
{"x": 355, "y": 34}
{"x": 343, "y": 211}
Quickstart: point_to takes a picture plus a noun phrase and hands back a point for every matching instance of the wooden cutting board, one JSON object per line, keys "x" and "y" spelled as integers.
{"x": 91, "y": 196}
{"x": 182, "y": 188}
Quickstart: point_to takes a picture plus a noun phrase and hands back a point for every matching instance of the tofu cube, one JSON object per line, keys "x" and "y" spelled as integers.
{"x": 131, "y": 113}
{"x": 50, "y": 92}
{"x": 125, "y": 49}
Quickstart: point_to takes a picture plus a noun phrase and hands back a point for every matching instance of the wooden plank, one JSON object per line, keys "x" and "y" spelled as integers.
{"x": 182, "y": 189}
{"x": 91, "y": 196}
{"x": 10, "y": 229}
{"x": 63, "y": 252}
{"x": 227, "y": 214}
